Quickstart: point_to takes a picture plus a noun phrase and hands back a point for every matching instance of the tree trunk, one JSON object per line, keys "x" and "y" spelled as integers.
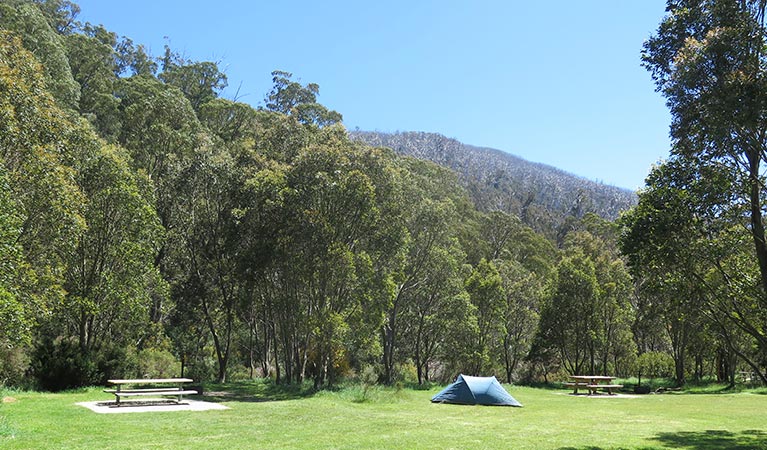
{"x": 757, "y": 224}
{"x": 276, "y": 354}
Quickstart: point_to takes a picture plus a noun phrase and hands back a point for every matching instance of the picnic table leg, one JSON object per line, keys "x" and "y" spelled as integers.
{"x": 117, "y": 395}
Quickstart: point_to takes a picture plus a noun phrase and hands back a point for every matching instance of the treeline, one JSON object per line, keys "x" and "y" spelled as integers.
{"x": 149, "y": 227}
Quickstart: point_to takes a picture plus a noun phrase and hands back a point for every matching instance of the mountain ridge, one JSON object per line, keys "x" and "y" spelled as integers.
{"x": 543, "y": 196}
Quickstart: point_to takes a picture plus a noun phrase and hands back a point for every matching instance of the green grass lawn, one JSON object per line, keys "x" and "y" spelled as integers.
{"x": 262, "y": 416}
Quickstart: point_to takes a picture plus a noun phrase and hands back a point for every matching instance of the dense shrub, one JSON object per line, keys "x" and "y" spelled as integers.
{"x": 61, "y": 364}
{"x": 157, "y": 363}
{"x": 654, "y": 364}
{"x": 113, "y": 361}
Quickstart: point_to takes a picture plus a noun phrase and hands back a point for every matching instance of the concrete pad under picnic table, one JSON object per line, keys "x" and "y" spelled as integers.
{"x": 149, "y": 405}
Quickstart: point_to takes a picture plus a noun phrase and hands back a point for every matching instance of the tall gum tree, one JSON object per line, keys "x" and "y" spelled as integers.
{"x": 38, "y": 146}
{"x": 708, "y": 59}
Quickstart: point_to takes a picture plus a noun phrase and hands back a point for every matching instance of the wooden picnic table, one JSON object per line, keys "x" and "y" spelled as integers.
{"x": 592, "y": 383}
{"x": 177, "y": 391}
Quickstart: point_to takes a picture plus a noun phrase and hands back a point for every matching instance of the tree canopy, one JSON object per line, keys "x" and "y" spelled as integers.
{"x": 149, "y": 226}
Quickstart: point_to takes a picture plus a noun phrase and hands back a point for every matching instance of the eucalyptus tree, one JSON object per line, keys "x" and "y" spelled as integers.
{"x": 611, "y": 341}
{"x": 438, "y": 321}
{"x": 336, "y": 197}
{"x": 587, "y": 315}
{"x": 566, "y": 323}
{"x": 38, "y": 147}
{"x": 708, "y": 59}
{"x": 14, "y": 314}
{"x": 318, "y": 248}
{"x": 200, "y": 82}
{"x": 158, "y": 127}
{"x": 658, "y": 241}
{"x": 92, "y": 61}
{"x": 88, "y": 226}
{"x": 426, "y": 208}
{"x": 109, "y": 273}
{"x": 300, "y": 101}
{"x": 61, "y": 14}
{"x": 262, "y": 258}
{"x": 27, "y": 21}
{"x": 161, "y": 132}
{"x": 229, "y": 121}
{"x": 523, "y": 295}
{"x": 485, "y": 288}
{"x": 525, "y": 261}
{"x": 205, "y": 230}
{"x": 685, "y": 242}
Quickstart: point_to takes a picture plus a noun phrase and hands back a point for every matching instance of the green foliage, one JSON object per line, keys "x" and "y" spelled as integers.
{"x": 111, "y": 271}
{"x": 708, "y": 60}
{"x": 485, "y": 289}
{"x": 38, "y": 144}
{"x": 587, "y": 316}
{"x": 523, "y": 297}
{"x": 654, "y": 365}
{"x": 291, "y": 98}
{"x": 566, "y": 315}
{"x": 199, "y": 81}
{"x": 61, "y": 14}
{"x": 159, "y": 126}
{"x": 94, "y": 67}
{"x": 26, "y": 21}
{"x": 61, "y": 364}
{"x": 228, "y": 120}
{"x": 207, "y": 238}
{"x": 157, "y": 363}
{"x": 112, "y": 360}
{"x": 15, "y": 320}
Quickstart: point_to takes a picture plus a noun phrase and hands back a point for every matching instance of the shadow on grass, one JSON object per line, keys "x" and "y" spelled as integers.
{"x": 703, "y": 440}
{"x": 714, "y": 439}
{"x": 725, "y": 389}
{"x": 255, "y": 391}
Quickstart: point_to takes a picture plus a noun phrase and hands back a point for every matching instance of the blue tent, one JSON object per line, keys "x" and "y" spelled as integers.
{"x": 467, "y": 390}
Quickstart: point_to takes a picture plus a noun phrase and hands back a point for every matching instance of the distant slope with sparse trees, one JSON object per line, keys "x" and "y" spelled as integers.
{"x": 544, "y": 197}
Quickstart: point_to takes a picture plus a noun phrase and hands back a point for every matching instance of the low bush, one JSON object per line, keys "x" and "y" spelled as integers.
{"x": 157, "y": 363}
{"x": 61, "y": 364}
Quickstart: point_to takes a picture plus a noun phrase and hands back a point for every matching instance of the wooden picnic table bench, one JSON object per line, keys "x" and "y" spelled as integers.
{"x": 177, "y": 391}
{"x": 575, "y": 385}
{"x": 608, "y": 387}
{"x": 593, "y": 383}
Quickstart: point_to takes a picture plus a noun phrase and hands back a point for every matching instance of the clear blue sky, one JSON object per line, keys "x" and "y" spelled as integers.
{"x": 557, "y": 82}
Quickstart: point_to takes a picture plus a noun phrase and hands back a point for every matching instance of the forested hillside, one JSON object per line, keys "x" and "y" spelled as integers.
{"x": 151, "y": 228}
{"x": 542, "y": 196}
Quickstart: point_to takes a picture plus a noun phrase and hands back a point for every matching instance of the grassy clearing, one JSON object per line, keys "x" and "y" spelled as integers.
{"x": 264, "y": 416}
